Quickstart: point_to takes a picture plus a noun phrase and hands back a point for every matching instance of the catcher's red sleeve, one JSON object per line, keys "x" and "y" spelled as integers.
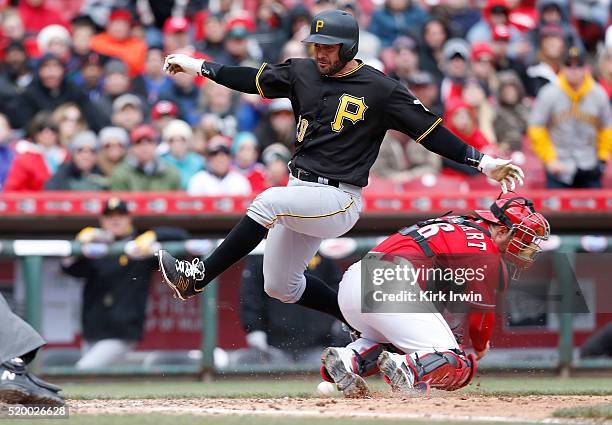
{"x": 481, "y": 329}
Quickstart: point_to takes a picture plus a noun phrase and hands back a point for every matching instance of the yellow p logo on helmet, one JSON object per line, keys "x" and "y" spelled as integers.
{"x": 319, "y": 25}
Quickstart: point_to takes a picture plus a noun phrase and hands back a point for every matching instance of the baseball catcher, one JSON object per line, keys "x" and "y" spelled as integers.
{"x": 418, "y": 349}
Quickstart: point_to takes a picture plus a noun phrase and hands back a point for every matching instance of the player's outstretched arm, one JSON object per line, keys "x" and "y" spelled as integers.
{"x": 240, "y": 78}
{"x": 443, "y": 142}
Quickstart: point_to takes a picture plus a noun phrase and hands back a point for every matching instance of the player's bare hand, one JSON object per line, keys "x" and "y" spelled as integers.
{"x": 179, "y": 62}
{"x": 481, "y": 354}
{"x": 502, "y": 170}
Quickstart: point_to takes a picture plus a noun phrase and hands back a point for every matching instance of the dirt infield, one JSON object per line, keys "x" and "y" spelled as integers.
{"x": 536, "y": 409}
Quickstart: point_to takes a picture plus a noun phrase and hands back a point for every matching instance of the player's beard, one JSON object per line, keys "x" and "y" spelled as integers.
{"x": 332, "y": 69}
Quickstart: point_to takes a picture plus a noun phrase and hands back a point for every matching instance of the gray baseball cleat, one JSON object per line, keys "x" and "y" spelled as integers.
{"x": 397, "y": 374}
{"x": 18, "y": 386}
{"x": 351, "y": 384}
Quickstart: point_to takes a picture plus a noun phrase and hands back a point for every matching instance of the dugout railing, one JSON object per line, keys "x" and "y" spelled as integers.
{"x": 30, "y": 254}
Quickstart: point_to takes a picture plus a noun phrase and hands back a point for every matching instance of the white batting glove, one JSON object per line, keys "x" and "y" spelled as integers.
{"x": 503, "y": 171}
{"x": 179, "y": 62}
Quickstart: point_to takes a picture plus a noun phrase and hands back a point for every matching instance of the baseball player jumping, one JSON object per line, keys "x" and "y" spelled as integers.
{"x": 343, "y": 109}
{"x": 506, "y": 236}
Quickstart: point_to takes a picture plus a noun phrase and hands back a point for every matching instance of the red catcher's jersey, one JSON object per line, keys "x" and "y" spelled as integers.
{"x": 449, "y": 242}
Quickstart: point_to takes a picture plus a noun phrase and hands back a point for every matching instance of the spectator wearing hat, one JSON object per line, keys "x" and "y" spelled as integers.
{"x": 36, "y": 15}
{"x": 116, "y": 83}
{"x": 278, "y": 126}
{"x": 81, "y": 172}
{"x": 405, "y": 59}
{"x": 51, "y": 88}
{"x": 275, "y": 158}
{"x": 178, "y": 137}
{"x": 512, "y": 114}
{"x": 114, "y": 142}
{"x": 176, "y": 34}
{"x": 7, "y": 149}
{"x": 36, "y": 159}
{"x": 238, "y": 49}
{"x": 219, "y": 178}
{"x": 69, "y": 122}
{"x": 214, "y": 36}
{"x": 555, "y": 13}
{"x": 15, "y": 75}
{"x": 550, "y": 54}
{"x": 127, "y": 112}
{"x": 55, "y": 39}
{"x": 502, "y": 60}
{"x": 425, "y": 88}
{"x": 245, "y": 151}
{"x": 496, "y": 12}
{"x": 395, "y": 18}
{"x": 483, "y": 67}
{"x": 142, "y": 170}
{"x": 116, "y": 287}
{"x": 162, "y": 113}
{"x": 456, "y": 57}
{"x": 117, "y": 41}
{"x": 153, "y": 80}
{"x": 433, "y": 37}
{"x": 570, "y": 127}
{"x": 90, "y": 75}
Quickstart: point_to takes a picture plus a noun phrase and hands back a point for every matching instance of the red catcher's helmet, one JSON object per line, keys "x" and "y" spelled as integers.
{"x": 527, "y": 228}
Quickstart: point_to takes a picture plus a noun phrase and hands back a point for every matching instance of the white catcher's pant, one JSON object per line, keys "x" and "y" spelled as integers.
{"x": 418, "y": 333}
{"x": 299, "y": 217}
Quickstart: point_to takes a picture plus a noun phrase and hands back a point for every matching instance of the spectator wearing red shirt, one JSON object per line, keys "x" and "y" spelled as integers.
{"x": 245, "y": 152}
{"x": 117, "y": 41}
{"x": 37, "y": 160}
{"x": 36, "y": 15}
{"x": 461, "y": 119}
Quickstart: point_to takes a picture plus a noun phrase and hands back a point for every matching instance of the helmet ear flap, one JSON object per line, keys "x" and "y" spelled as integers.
{"x": 347, "y": 53}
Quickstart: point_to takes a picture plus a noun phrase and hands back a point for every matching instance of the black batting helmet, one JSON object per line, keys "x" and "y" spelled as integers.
{"x": 336, "y": 27}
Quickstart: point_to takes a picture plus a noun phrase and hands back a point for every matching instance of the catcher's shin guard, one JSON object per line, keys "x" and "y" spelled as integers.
{"x": 444, "y": 370}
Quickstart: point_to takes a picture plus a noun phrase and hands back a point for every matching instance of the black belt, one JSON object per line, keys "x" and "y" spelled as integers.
{"x": 307, "y": 176}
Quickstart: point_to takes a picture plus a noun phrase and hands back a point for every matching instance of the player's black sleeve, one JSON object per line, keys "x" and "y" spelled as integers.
{"x": 241, "y": 78}
{"x": 275, "y": 81}
{"x": 269, "y": 81}
{"x": 445, "y": 143}
{"x": 407, "y": 114}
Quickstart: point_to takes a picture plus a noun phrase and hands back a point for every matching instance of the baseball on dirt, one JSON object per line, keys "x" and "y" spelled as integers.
{"x": 326, "y": 388}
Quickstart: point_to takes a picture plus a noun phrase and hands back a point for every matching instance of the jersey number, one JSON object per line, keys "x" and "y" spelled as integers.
{"x": 433, "y": 229}
{"x": 301, "y": 129}
{"x": 350, "y": 108}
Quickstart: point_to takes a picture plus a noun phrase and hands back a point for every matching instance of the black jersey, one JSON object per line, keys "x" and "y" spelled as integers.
{"x": 342, "y": 119}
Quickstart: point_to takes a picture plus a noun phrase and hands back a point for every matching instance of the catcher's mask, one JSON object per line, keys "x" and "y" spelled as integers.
{"x": 528, "y": 228}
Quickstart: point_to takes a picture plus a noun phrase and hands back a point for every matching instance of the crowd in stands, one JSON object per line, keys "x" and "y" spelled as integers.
{"x": 85, "y": 105}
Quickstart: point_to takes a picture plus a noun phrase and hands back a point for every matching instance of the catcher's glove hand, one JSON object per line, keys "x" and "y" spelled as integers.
{"x": 179, "y": 62}
{"x": 503, "y": 171}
